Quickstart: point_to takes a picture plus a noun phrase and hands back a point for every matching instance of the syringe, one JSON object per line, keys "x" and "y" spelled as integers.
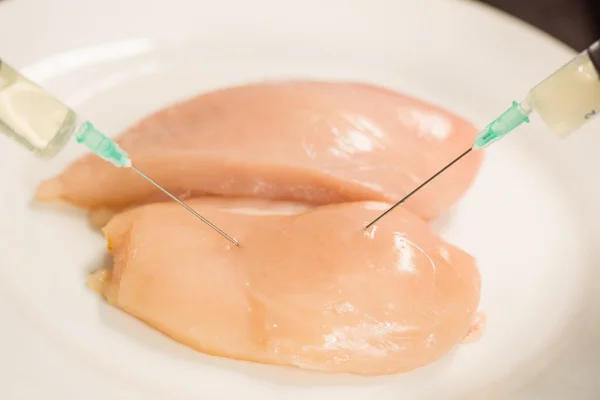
{"x": 43, "y": 124}
{"x": 565, "y": 101}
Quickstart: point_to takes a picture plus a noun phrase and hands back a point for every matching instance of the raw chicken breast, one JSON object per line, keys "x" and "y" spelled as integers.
{"x": 312, "y": 142}
{"x": 308, "y": 288}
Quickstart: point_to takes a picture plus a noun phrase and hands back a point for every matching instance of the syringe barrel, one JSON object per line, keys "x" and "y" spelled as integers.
{"x": 32, "y": 116}
{"x": 570, "y": 97}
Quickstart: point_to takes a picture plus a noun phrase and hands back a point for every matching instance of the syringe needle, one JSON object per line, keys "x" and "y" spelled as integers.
{"x": 500, "y": 127}
{"x": 419, "y": 187}
{"x": 508, "y": 121}
{"x": 190, "y": 209}
{"x": 109, "y": 150}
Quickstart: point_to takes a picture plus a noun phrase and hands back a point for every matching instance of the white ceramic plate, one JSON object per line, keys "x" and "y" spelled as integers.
{"x": 529, "y": 218}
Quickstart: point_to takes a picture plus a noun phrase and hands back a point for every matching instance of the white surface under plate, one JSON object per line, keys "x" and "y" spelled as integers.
{"x": 529, "y": 218}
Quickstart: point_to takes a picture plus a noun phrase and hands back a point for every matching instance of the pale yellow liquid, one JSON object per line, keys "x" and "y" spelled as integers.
{"x": 31, "y": 115}
{"x": 569, "y": 98}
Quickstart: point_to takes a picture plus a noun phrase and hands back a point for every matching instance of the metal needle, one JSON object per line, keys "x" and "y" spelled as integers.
{"x": 190, "y": 209}
{"x": 419, "y": 187}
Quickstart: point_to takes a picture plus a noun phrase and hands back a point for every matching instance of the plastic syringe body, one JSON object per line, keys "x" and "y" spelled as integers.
{"x": 565, "y": 100}
{"x": 40, "y": 122}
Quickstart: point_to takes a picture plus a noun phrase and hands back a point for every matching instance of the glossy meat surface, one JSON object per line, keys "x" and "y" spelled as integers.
{"x": 305, "y": 141}
{"x": 308, "y": 288}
